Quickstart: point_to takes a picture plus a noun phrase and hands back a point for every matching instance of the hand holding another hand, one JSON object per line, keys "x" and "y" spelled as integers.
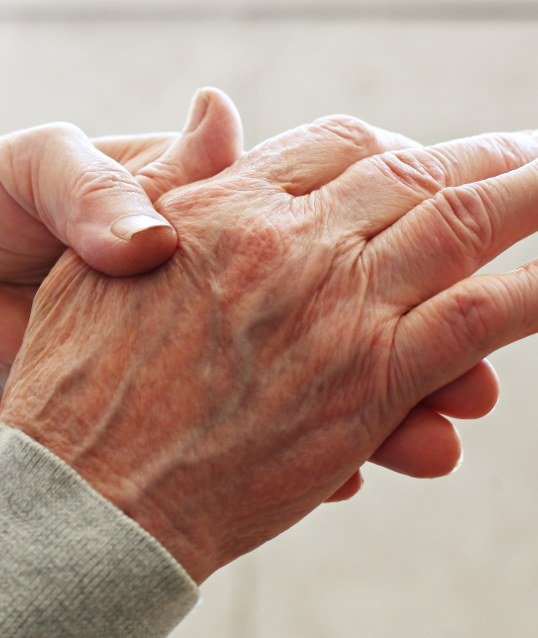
{"x": 315, "y": 300}
{"x": 58, "y": 188}
{"x": 36, "y": 224}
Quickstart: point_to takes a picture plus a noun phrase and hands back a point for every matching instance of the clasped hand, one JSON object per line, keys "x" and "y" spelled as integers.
{"x": 320, "y": 311}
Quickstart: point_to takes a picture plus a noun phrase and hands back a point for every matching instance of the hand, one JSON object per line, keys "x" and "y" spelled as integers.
{"x": 313, "y": 303}
{"x": 57, "y": 189}
{"x": 211, "y": 141}
{"x": 426, "y": 445}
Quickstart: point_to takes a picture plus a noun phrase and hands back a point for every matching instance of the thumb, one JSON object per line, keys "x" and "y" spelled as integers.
{"x": 212, "y": 140}
{"x": 87, "y": 200}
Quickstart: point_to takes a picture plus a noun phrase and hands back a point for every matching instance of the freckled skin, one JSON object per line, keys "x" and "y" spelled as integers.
{"x": 221, "y": 398}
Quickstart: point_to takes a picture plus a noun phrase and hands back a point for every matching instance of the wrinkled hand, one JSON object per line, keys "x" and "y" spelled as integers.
{"x": 36, "y": 224}
{"x": 58, "y": 188}
{"x": 314, "y": 302}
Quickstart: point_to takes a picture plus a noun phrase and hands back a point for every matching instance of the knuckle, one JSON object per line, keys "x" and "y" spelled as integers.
{"x": 489, "y": 310}
{"x": 348, "y": 129}
{"x": 473, "y": 315}
{"x": 98, "y": 181}
{"x": 418, "y": 170}
{"x": 56, "y": 131}
{"x": 509, "y": 149}
{"x": 25, "y": 144}
{"x": 465, "y": 212}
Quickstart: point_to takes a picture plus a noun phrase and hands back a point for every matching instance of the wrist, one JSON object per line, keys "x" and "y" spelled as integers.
{"x": 190, "y": 546}
{"x": 148, "y": 505}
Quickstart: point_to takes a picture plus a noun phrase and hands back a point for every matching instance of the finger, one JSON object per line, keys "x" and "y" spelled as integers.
{"x": 425, "y": 445}
{"x": 87, "y": 200}
{"x": 471, "y": 396}
{"x": 442, "y": 338}
{"x": 388, "y": 186}
{"x": 306, "y": 158}
{"x": 454, "y": 234}
{"x": 211, "y": 142}
{"x": 348, "y": 489}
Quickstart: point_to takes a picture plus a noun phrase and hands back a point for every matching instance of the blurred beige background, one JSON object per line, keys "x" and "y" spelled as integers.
{"x": 405, "y": 559}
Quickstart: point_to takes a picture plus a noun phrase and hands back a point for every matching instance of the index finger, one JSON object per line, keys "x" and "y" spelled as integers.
{"x": 376, "y": 192}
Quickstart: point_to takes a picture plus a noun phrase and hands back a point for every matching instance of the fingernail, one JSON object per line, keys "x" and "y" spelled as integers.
{"x": 197, "y": 111}
{"x": 128, "y": 226}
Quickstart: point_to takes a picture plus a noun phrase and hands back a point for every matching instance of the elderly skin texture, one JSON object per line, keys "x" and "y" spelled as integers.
{"x": 57, "y": 189}
{"x": 221, "y": 398}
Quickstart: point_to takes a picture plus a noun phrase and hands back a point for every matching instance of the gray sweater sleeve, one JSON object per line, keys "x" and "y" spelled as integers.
{"x": 72, "y": 565}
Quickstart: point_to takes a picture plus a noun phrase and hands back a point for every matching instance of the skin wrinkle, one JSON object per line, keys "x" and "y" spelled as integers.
{"x": 497, "y": 206}
{"x": 405, "y": 173}
{"x": 397, "y": 369}
{"x": 180, "y": 541}
{"x": 161, "y": 175}
{"x": 462, "y": 212}
{"x": 97, "y": 181}
{"x": 448, "y": 160}
{"x": 220, "y": 448}
{"x": 508, "y": 152}
{"x": 93, "y": 435}
{"x": 468, "y": 317}
{"x": 401, "y": 362}
{"x": 359, "y": 134}
{"x": 442, "y": 243}
{"x": 441, "y": 168}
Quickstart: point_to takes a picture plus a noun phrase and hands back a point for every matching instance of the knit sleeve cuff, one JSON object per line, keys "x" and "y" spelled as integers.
{"x": 72, "y": 564}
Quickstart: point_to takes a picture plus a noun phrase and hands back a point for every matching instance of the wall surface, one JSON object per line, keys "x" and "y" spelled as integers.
{"x": 406, "y": 559}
